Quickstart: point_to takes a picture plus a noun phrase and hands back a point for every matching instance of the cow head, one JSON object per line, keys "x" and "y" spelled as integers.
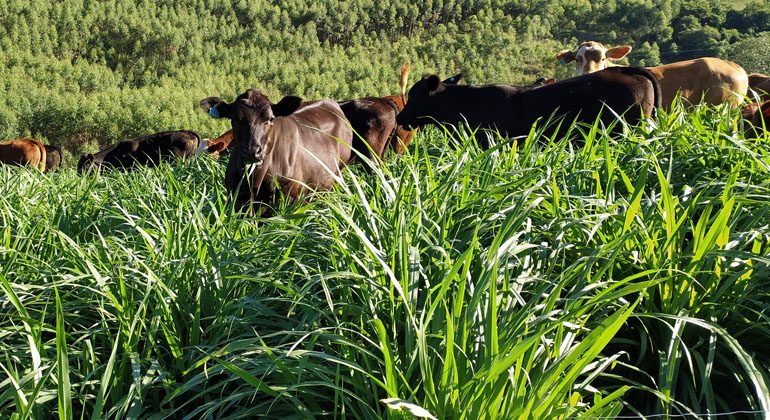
{"x": 421, "y": 102}
{"x": 757, "y": 116}
{"x": 252, "y": 115}
{"x": 86, "y": 162}
{"x": 592, "y": 56}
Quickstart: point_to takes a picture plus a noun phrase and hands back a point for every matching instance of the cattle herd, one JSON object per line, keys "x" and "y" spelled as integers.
{"x": 294, "y": 145}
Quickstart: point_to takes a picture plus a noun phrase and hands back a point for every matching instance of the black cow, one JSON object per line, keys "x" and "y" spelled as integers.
{"x": 148, "y": 150}
{"x": 513, "y": 109}
{"x": 53, "y": 157}
{"x": 292, "y": 145}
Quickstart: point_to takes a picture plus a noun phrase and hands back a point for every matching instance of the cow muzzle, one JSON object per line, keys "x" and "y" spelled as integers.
{"x": 254, "y": 154}
{"x": 404, "y": 122}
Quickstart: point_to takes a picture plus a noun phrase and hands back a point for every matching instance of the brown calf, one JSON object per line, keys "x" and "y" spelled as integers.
{"x": 293, "y": 146}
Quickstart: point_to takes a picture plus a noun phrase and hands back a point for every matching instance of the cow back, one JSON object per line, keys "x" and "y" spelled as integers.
{"x": 147, "y": 150}
{"x": 23, "y": 152}
{"x": 589, "y": 96}
{"x": 708, "y": 79}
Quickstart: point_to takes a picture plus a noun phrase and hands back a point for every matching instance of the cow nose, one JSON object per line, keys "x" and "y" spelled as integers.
{"x": 256, "y": 152}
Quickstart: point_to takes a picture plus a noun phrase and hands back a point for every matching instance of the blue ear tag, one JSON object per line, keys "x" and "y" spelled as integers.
{"x": 214, "y": 112}
{"x": 561, "y": 60}
{"x": 451, "y": 79}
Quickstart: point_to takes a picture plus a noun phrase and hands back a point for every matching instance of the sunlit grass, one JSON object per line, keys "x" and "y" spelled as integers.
{"x": 550, "y": 278}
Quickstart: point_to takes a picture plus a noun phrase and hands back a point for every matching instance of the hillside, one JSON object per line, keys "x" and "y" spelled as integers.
{"x": 82, "y": 74}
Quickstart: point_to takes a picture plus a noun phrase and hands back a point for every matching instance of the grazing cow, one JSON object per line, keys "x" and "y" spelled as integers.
{"x": 756, "y": 117}
{"x": 760, "y": 83}
{"x": 292, "y": 145}
{"x": 148, "y": 150}
{"x": 711, "y": 80}
{"x": 23, "y": 152}
{"x": 403, "y": 137}
{"x": 512, "y": 110}
{"x": 53, "y": 157}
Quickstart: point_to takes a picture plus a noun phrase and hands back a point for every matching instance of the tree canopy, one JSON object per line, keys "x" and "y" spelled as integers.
{"x": 82, "y": 73}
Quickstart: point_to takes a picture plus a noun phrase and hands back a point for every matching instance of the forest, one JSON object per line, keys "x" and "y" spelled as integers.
{"x": 82, "y": 74}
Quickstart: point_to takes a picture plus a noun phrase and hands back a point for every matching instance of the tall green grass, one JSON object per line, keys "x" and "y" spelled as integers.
{"x": 590, "y": 275}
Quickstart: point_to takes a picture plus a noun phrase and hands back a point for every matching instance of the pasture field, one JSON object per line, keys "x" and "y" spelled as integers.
{"x": 554, "y": 278}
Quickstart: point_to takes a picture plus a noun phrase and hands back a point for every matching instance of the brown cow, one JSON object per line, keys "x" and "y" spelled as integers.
{"x": 23, "y": 152}
{"x": 760, "y": 83}
{"x": 511, "y": 110}
{"x": 709, "y": 79}
{"x": 292, "y": 145}
{"x": 756, "y": 118}
{"x": 372, "y": 119}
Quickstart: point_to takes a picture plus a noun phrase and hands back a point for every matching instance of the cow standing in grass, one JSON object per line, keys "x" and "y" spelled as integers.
{"x": 403, "y": 136}
{"x": 147, "y": 151}
{"x": 512, "y": 110}
{"x": 708, "y": 80}
{"x": 23, "y": 152}
{"x": 286, "y": 148}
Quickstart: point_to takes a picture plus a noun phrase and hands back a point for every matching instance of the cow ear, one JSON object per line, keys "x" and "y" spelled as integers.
{"x": 432, "y": 83}
{"x": 454, "y": 79}
{"x": 216, "y": 107}
{"x": 565, "y": 56}
{"x": 287, "y": 106}
{"x": 216, "y": 147}
{"x": 616, "y": 53}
